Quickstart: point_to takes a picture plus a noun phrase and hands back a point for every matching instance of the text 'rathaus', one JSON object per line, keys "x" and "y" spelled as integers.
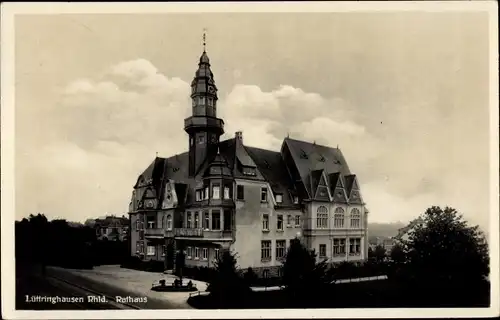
{"x": 223, "y": 195}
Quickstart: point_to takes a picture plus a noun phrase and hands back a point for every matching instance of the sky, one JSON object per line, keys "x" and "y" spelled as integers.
{"x": 404, "y": 96}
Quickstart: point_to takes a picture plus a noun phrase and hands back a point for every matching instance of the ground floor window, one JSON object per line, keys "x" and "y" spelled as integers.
{"x": 196, "y": 253}
{"x": 322, "y": 250}
{"x": 204, "y": 253}
{"x": 280, "y": 249}
{"x": 338, "y": 247}
{"x": 163, "y": 250}
{"x": 265, "y": 273}
{"x": 189, "y": 253}
{"x": 355, "y": 246}
{"x": 151, "y": 251}
{"x": 266, "y": 250}
{"x": 216, "y": 254}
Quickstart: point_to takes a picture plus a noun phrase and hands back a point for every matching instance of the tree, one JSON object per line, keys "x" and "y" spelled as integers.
{"x": 445, "y": 252}
{"x": 227, "y": 285}
{"x": 398, "y": 255}
{"x": 379, "y": 254}
{"x": 303, "y": 276}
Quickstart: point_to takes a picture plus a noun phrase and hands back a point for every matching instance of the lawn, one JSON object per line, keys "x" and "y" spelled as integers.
{"x": 372, "y": 294}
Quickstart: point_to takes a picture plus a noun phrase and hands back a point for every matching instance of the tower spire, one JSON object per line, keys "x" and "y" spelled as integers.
{"x": 204, "y": 39}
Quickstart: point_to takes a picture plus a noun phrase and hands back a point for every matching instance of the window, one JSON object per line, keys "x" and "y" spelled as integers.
{"x": 151, "y": 222}
{"x": 322, "y": 250}
{"x": 265, "y": 273}
{"x": 216, "y": 254}
{"x": 210, "y": 101}
{"x": 248, "y": 171}
{"x": 263, "y": 195}
{"x": 163, "y": 250}
{"x": 196, "y": 220}
{"x": 322, "y": 217}
{"x": 338, "y": 247}
{"x": 201, "y": 139}
{"x": 216, "y": 191}
{"x": 169, "y": 222}
{"x": 189, "y": 253}
{"x": 265, "y": 254}
{"x": 226, "y": 193}
{"x": 289, "y": 220}
{"x": 204, "y": 253}
{"x": 280, "y": 249}
{"x": 354, "y": 246}
{"x": 295, "y": 199}
{"x": 199, "y": 195}
{"x": 279, "y": 223}
{"x": 206, "y": 193}
{"x": 216, "y": 220}
{"x": 189, "y": 220}
{"x": 355, "y": 218}
{"x": 196, "y": 253}
{"x": 279, "y": 198}
{"x": 137, "y": 247}
{"x": 338, "y": 218}
{"x": 206, "y": 221}
{"x": 265, "y": 222}
{"x": 240, "y": 192}
{"x": 137, "y": 225}
{"x": 297, "y": 221}
{"x": 151, "y": 251}
{"x": 201, "y": 100}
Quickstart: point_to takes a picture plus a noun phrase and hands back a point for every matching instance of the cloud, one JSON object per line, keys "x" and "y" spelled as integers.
{"x": 108, "y": 130}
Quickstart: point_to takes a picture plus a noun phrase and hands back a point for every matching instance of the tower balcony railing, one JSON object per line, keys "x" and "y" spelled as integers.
{"x": 203, "y": 121}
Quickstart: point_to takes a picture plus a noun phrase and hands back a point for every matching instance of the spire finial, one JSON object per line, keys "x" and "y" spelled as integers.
{"x": 204, "y": 39}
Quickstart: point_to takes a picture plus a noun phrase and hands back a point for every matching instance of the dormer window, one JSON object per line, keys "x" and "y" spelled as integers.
{"x": 249, "y": 171}
{"x": 321, "y": 158}
{"x": 279, "y": 198}
{"x": 303, "y": 154}
{"x": 295, "y": 200}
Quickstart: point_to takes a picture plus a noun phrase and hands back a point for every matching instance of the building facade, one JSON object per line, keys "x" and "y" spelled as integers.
{"x": 112, "y": 228}
{"x": 224, "y": 195}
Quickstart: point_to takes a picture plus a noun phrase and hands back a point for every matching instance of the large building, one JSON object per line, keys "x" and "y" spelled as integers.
{"x": 222, "y": 195}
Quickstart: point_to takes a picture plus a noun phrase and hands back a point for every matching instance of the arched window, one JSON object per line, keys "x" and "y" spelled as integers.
{"x": 322, "y": 217}
{"x": 169, "y": 222}
{"x": 355, "y": 218}
{"x": 338, "y": 218}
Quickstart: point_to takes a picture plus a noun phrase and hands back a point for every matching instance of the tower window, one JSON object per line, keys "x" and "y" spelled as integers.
{"x": 201, "y": 100}
{"x": 201, "y": 139}
{"x": 210, "y": 101}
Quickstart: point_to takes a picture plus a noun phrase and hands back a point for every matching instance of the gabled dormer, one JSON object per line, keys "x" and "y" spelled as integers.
{"x": 319, "y": 186}
{"x": 352, "y": 190}
{"x": 337, "y": 185}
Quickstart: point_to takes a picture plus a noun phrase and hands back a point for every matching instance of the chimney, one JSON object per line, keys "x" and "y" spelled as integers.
{"x": 239, "y": 137}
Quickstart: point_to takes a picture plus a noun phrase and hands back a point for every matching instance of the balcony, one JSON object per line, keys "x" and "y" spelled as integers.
{"x": 154, "y": 233}
{"x": 198, "y": 233}
{"x": 204, "y": 122}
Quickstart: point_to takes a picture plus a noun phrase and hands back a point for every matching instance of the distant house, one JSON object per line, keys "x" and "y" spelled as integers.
{"x": 112, "y": 228}
{"x": 385, "y": 242}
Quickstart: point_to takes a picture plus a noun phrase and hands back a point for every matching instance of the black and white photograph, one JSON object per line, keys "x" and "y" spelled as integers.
{"x": 247, "y": 160}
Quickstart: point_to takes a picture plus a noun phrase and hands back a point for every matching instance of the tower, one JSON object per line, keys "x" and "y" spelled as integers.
{"x": 203, "y": 126}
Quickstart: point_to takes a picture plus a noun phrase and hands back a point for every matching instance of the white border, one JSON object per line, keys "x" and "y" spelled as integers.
{"x": 9, "y": 10}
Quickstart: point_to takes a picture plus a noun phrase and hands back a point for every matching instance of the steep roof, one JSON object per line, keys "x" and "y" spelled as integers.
{"x": 273, "y": 168}
{"x": 309, "y": 157}
{"x": 313, "y": 163}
